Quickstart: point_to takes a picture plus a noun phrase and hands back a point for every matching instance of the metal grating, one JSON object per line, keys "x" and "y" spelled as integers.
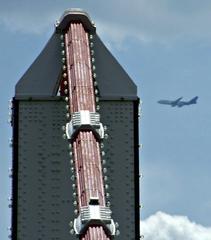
{"x": 44, "y": 185}
{"x": 119, "y": 156}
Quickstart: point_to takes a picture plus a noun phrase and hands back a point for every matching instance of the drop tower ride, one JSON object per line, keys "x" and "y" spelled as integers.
{"x": 89, "y": 177}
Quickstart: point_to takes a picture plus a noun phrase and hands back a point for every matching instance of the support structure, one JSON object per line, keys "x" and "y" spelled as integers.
{"x": 84, "y": 185}
{"x": 81, "y": 94}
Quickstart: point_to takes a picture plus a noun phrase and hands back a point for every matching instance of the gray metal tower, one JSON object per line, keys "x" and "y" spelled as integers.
{"x": 46, "y": 180}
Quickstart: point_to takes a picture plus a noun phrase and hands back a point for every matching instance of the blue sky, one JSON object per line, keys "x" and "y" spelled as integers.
{"x": 165, "y": 46}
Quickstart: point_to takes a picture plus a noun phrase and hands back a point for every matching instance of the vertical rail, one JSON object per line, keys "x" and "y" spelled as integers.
{"x": 14, "y": 173}
{"x": 86, "y": 147}
{"x": 136, "y": 167}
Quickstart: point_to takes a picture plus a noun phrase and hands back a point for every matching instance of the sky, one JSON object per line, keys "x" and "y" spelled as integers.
{"x": 165, "y": 46}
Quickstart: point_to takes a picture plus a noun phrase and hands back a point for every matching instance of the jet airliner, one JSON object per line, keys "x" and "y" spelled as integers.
{"x": 178, "y": 102}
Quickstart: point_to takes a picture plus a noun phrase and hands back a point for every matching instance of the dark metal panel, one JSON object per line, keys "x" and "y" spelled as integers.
{"x": 136, "y": 167}
{"x": 122, "y": 162}
{"x": 42, "y": 77}
{"x": 45, "y": 202}
{"x": 14, "y": 172}
{"x": 113, "y": 81}
{"x": 44, "y": 189}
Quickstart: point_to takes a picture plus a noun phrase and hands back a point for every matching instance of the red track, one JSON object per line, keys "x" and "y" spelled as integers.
{"x": 86, "y": 148}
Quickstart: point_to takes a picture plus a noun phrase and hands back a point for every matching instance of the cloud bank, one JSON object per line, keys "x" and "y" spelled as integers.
{"x": 162, "y": 226}
{"x": 161, "y": 21}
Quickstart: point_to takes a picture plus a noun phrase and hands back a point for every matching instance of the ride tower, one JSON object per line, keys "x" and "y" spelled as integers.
{"x": 75, "y": 168}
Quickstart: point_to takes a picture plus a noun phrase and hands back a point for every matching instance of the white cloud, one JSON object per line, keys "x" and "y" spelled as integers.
{"x": 159, "y": 21}
{"x": 26, "y": 21}
{"x": 147, "y": 21}
{"x": 162, "y": 226}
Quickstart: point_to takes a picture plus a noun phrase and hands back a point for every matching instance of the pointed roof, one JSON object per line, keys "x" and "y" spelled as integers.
{"x": 42, "y": 78}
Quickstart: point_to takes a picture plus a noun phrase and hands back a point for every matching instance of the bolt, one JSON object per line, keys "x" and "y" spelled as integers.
{"x": 71, "y": 162}
{"x": 71, "y": 223}
{"x": 64, "y": 67}
{"x": 102, "y": 145}
{"x": 94, "y": 75}
{"x": 106, "y": 136}
{"x": 64, "y": 136}
{"x": 107, "y": 195}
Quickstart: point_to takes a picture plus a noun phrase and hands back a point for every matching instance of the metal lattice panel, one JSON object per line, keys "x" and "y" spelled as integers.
{"x": 44, "y": 185}
{"x": 119, "y": 148}
{"x": 45, "y": 202}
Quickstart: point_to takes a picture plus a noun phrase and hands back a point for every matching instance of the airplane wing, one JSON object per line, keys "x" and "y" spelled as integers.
{"x": 181, "y": 104}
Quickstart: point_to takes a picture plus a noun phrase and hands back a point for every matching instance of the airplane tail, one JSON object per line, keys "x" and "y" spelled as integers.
{"x": 194, "y": 100}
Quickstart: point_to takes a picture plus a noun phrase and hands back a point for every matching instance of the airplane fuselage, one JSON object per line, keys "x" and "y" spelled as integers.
{"x": 178, "y": 102}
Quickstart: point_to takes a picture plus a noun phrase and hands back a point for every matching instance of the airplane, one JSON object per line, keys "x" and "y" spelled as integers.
{"x": 179, "y": 103}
